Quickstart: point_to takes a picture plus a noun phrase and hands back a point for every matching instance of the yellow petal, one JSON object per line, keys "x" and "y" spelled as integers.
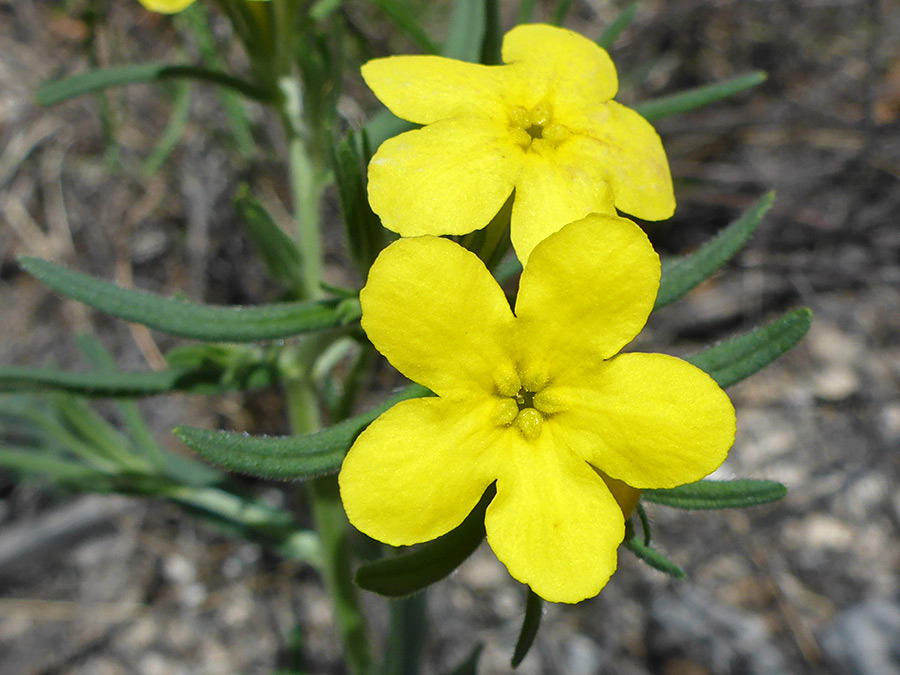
{"x": 563, "y": 65}
{"x": 634, "y": 161}
{"x": 166, "y": 6}
{"x": 649, "y": 420}
{"x": 553, "y": 523}
{"x": 450, "y": 177}
{"x": 425, "y": 89}
{"x": 432, "y": 308}
{"x": 418, "y": 470}
{"x": 557, "y": 187}
{"x": 586, "y": 292}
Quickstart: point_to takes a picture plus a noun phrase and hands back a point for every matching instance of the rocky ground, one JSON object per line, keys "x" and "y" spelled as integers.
{"x": 95, "y": 585}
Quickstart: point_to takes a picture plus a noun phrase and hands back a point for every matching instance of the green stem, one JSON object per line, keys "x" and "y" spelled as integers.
{"x": 306, "y": 186}
{"x": 307, "y": 180}
{"x": 333, "y": 528}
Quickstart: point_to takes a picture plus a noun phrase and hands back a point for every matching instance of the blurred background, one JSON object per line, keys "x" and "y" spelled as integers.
{"x": 105, "y": 585}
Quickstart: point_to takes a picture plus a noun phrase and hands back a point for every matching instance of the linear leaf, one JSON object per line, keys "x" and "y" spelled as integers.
{"x": 559, "y": 14}
{"x": 173, "y": 132}
{"x": 278, "y": 251}
{"x": 427, "y": 563}
{"x": 50, "y": 465}
{"x": 615, "y": 29}
{"x": 681, "y": 275}
{"x": 185, "y": 319}
{"x": 742, "y": 356}
{"x": 466, "y": 32}
{"x": 718, "y": 494}
{"x": 652, "y": 557}
{"x": 699, "y": 97}
{"x": 404, "y": 18}
{"x": 58, "y": 91}
{"x": 534, "y": 610}
{"x": 287, "y": 457}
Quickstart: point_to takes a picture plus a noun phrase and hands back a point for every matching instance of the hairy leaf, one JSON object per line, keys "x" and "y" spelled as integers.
{"x": 742, "y": 356}
{"x": 682, "y": 274}
{"x": 427, "y": 563}
{"x": 287, "y": 457}
{"x": 718, "y": 494}
{"x": 185, "y": 319}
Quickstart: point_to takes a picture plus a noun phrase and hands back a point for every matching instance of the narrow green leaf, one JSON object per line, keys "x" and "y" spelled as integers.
{"x": 652, "y": 557}
{"x": 184, "y": 319}
{"x": 196, "y": 18}
{"x": 534, "y": 610}
{"x": 386, "y": 125}
{"x": 718, "y": 494}
{"x": 49, "y": 465}
{"x": 682, "y": 274}
{"x": 613, "y": 30}
{"x": 58, "y": 91}
{"x": 427, "y": 563}
{"x": 676, "y": 104}
{"x": 559, "y": 14}
{"x": 406, "y": 636}
{"x": 276, "y": 249}
{"x": 290, "y": 457}
{"x": 365, "y": 234}
{"x": 406, "y": 20}
{"x": 466, "y": 32}
{"x": 742, "y": 356}
{"x": 526, "y": 11}
{"x": 101, "y": 384}
{"x": 470, "y": 665}
{"x": 172, "y": 133}
{"x": 493, "y": 34}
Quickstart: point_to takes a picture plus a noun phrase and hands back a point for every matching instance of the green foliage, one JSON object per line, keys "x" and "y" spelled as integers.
{"x": 621, "y": 22}
{"x": 682, "y": 274}
{"x": 201, "y": 369}
{"x": 365, "y": 235}
{"x": 427, "y": 563}
{"x": 740, "y": 357}
{"x": 699, "y": 97}
{"x": 718, "y": 494}
{"x": 289, "y": 457}
{"x": 277, "y": 251}
{"x": 58, "y": 91}
{"x": 190, "y": 320}
{"x": 404, "y": 17}
{"x": 651, "y": 556}
{"x": 534, "y": 610}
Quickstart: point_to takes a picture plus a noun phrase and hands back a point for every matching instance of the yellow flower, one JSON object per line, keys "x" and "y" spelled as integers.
{"x": 544, "y": 125}
{"x": 537, "y": 401}
{"x": 166, "y": 6}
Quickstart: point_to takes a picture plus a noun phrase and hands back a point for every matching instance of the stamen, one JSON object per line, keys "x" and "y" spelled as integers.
{"x": 548, "y": 402}
{"x": 529, "y": 422}
{"x": 507, "y": 382}
{"x": 505, "y": 412}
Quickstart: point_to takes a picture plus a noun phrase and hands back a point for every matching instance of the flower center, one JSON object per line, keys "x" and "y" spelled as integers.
{"x": 535, "y": 129}
{"x": 523, "y": 401}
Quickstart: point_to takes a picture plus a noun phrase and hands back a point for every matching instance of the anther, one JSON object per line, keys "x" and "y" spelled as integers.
{"x": 529, "y": 422}
{"x": 505, "y": 412}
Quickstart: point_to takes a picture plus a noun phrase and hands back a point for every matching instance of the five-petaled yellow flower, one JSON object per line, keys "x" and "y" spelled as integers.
{"x": 538, "y": 401}
{"x": 543, "y": 125}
